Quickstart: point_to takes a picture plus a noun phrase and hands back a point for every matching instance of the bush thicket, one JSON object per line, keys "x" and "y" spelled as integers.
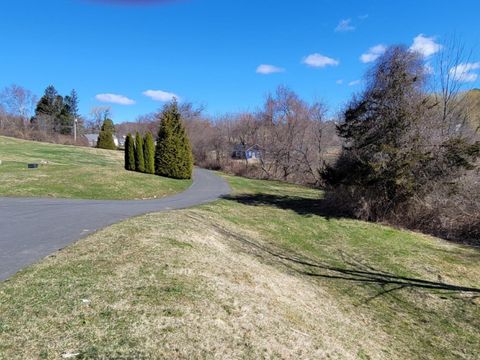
{"x": 400, "y": 156}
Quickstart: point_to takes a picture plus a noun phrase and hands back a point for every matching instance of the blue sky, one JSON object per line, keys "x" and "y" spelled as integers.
{"x": 210, "y": 51}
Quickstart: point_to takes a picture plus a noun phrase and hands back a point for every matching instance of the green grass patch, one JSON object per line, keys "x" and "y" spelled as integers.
{"x": 261, "y": 274}
{"x": 75, "y": 172}
{"x": 399, "y": 279}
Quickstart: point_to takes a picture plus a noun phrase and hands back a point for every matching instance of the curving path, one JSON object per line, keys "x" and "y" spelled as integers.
{"x": 32, "y": 228}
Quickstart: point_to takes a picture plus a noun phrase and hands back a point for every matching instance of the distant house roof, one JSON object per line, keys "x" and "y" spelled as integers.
{"x": 241, "y": 147}
{"x": 91, "y": 137}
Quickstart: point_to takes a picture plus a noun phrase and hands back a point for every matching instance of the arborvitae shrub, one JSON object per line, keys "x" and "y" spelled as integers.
{"x": 149, "y": 154}
{"x": 129, "y": 153}
{"x": 139, "y": 159}
{"x": 105, "y": 138}
{"x": 173, "y": 153}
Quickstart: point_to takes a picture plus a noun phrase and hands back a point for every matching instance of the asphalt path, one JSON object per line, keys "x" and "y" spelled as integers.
{"x": 33, "y": 228}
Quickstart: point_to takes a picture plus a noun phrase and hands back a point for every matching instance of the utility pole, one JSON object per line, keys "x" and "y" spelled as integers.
{"x": 75, "y": 130}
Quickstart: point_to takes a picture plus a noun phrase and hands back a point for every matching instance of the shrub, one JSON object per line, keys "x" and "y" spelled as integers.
{"x": 173, "y": 153}
{"x": 139, "y": 158}
{"x": 105, "y": 138}
{"x": 149, "y": 154}
{"x": 129, "y": 153}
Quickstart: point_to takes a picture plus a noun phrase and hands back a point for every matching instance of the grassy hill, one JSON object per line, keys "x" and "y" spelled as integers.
{"x": 263, "y": 273}
{"x": 473, "y": 101}
{"x": 74, "y": 172}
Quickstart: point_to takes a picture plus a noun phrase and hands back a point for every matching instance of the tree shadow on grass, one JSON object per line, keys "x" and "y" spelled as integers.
{"x": 301, "y": 205}
{"x": 353, "y": 270}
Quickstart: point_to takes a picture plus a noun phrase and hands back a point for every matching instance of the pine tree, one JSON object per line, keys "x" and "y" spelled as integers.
{"x": 139, "y": 158}
{"x": 71, "y": 102}
{"x": 129, "y": 153}
{"x": 63, "y": 120}
{"x": 56, "y": 113}
{"x": 46, "y": 110}
{"x": 105, "y": 138}
{"x": 149, "y": 154}
{"x": 71, "y": 110}
{"x": 46, "y": 105}
{"x": 173, "y": 153}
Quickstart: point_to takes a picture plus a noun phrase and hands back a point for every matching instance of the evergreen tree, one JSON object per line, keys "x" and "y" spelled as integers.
{"x": 139, "y": 158}
{"x": 46, "y": 105}
{"x": 46, "y": 110}
{"x": 129, "y": 153}
{"x": 149, "y": 154}
{"x": 63, "y": 120}
{"x": 55, "y": 113}
{"x": 71, "y": 103}
{"x": 173, "y": 153}
{"x": 105, "y": 138}
{"x": 108, "y": 126}
{"x": 387, "y": 158}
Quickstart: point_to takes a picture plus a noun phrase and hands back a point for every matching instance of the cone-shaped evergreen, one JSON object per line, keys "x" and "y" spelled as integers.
{"x": 139, "y": 159}
{"x": 149, "y": 154}
{"x": 173, "y": 153}
{"x": 105, "y": 138}
{"x": 129, "y": 153}
{"x": 108, "y": 126}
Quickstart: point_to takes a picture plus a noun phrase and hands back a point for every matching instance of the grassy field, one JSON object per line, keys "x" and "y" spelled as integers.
{"x": 261, "y": 274}
{"x": 75, "y": 172}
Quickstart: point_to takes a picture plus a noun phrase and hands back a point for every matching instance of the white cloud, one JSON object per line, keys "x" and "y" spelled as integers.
{"x": 159, "y": 95}
{"x": 344, "y": 26}
{"x": 339, "y": 82}
{"x": 266, "y": 69}
{"x": 363, "y": 17}
{"x": 354, "y": 82}
{"x": 465, "y": 72}
{"x": 114, "y": 99}
{"x": 425, "y": 45}
{"x": 319, "y": 61}
{"x": 373, "y": 53}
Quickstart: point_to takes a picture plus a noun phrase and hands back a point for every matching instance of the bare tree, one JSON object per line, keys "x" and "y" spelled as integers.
{"x": 18, "y": 102}
{"x": 98, "y": 115}
{"x": 290, "y": 134}
{"x": 451, "y": 102}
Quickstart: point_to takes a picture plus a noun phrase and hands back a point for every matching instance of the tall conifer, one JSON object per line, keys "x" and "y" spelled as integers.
{"x": 149, "y": 154}
{"x": 139, "y": 158}
{"x": 129, "y": 153}
{"x": 173, "y": 153}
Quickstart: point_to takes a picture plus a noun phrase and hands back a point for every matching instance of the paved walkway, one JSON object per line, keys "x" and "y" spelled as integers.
{"x": 31, "y": 229}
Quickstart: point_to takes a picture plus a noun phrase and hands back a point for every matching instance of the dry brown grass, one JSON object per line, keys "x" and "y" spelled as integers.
{"x": 220, "y": 282}
{"x": 196, "y": 293}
